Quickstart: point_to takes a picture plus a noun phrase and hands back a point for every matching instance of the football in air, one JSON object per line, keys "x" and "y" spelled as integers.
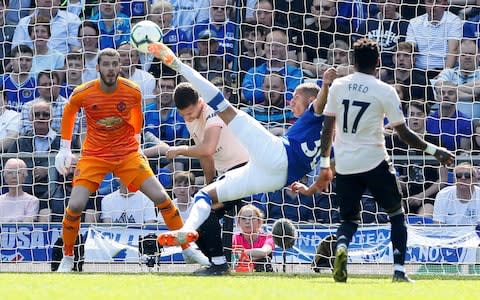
{"x": 143, "y": 33}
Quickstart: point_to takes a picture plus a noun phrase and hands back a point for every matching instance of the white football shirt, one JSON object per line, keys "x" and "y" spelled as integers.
{"x": 360, "y": 102}
{"x": 230, "y": 152}
{"x": 448, "y": 209}
{"x": 137, "y": 208}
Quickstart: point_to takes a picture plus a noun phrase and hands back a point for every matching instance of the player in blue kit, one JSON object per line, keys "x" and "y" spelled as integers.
{"x": 274, "y": 161}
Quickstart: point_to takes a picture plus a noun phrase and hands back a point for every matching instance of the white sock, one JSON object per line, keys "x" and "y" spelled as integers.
{"x": 400, "y": 268}
{"x": 199, "y": 213}
{"x": 210, "y": 93}
{"x": 219, "y": 260}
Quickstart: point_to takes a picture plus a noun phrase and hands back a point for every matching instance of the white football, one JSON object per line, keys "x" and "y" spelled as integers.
{"x": 143, "y": 33}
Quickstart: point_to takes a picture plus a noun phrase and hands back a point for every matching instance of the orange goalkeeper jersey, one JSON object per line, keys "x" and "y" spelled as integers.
{"x": 113, "y": 119}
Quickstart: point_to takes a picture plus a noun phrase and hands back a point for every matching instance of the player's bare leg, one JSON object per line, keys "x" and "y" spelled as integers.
{"x": 71, "y": 225}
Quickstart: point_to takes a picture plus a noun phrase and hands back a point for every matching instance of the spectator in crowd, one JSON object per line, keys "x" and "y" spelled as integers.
{"x": 17, "y": 205}
{"x": 452, "y": 126}
{"x": 113, "y": 25}
{"x": 414, "y": 80}
{"x": 459, "y": 204}
{"x": 253, "y": 242}
{"x": 387, "y": 28}
{"x": 18, "y": 85}
{"x": 276, "y": 55}
{"x": 338, "y": 54}
{"x": 44, "y": 57}
{"x": 64, "y": 27}
{"x": 207, "y": 61}
{"x": 75, "y": 7}
{"x": 253, "y": 54}
{"x": 466, "y": 75}
{"x": 48, "y": 87}
{"x": 186, "y": 56}
{"x": 74, "y": 73}
{"x": 36, "y": 145}
{"x": 274, "y": 114}
{"x": 436, "y": 35}
{"x": 162, "y": 117}
{"x": 352, "y": 13}
{"x": 221, "y": 26}
{"x": 224, "y": 85}
{"x": 89, "y": 34}
{"x": 471, "y": 27}
{"x": 9, "y": 124}
{"x": 17, "y": 9}
{"x": 187, "y": 13}
{"x": 286, "y": 13}
{"x": 123, "y": 206}
{"x": 318, "y": 36}
{"x": 6, "y": 36}
{"x": 262, "y": 13}
{"x": 161, "y": 13}
{"x": 476, "y": 138}
{"x": 129, "y": 62}
{"x": 183, "y": 190}
{"x": 420, "y": 183}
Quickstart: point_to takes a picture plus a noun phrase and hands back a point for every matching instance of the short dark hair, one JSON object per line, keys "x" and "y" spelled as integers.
{"x": 421, "y": 105}
{"x": 185, "y": 95}
{"x": 20, "y": 49}
{"x": 365, "y": 53}
{"x": 39, "y": 21}
{"x": 90, "y": 24}
{"x": 184, "y": 177}
{"x": 75, "y": 55}
{"x": 50, "y": 74}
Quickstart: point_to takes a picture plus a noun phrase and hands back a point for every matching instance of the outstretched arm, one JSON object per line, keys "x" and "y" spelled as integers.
{"x": 206, "y": 148}
{"x": 319, "y": 104}
{"x": 409, "y": 137}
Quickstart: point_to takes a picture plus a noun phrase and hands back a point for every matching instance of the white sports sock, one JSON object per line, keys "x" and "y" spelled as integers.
{"x": 219, "y": 260}
{"x": 210, "y": 93}
{"x": 199, "y": 213}
{"x": 399, "y": 268}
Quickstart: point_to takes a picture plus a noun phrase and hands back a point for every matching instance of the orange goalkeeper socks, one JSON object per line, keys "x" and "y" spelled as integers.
{"x": 170, "y": 214}
{"x": 70, "y": 227}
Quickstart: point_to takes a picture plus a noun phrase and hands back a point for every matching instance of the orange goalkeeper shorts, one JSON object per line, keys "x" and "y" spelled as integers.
{"x": 132, "y": 170}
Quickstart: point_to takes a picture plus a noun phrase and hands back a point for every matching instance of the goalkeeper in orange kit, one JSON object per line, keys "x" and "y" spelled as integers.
{"x": 114, "y": 121}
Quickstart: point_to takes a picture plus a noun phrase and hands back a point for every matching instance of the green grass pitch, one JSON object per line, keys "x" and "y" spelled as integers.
{"x": 271, "y": 286}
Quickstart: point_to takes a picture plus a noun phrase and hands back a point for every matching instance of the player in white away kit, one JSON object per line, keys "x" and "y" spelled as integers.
{"x": 357, "y": 105}
{"x": 274, "y": 161}
{"x": 218, "y": 150}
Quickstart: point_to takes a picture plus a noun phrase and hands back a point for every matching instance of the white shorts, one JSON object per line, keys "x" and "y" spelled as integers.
{"x": 266, "y": 170}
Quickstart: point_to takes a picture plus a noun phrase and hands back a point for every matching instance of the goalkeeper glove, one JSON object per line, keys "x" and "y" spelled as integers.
{"x": 63, "y": 160}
